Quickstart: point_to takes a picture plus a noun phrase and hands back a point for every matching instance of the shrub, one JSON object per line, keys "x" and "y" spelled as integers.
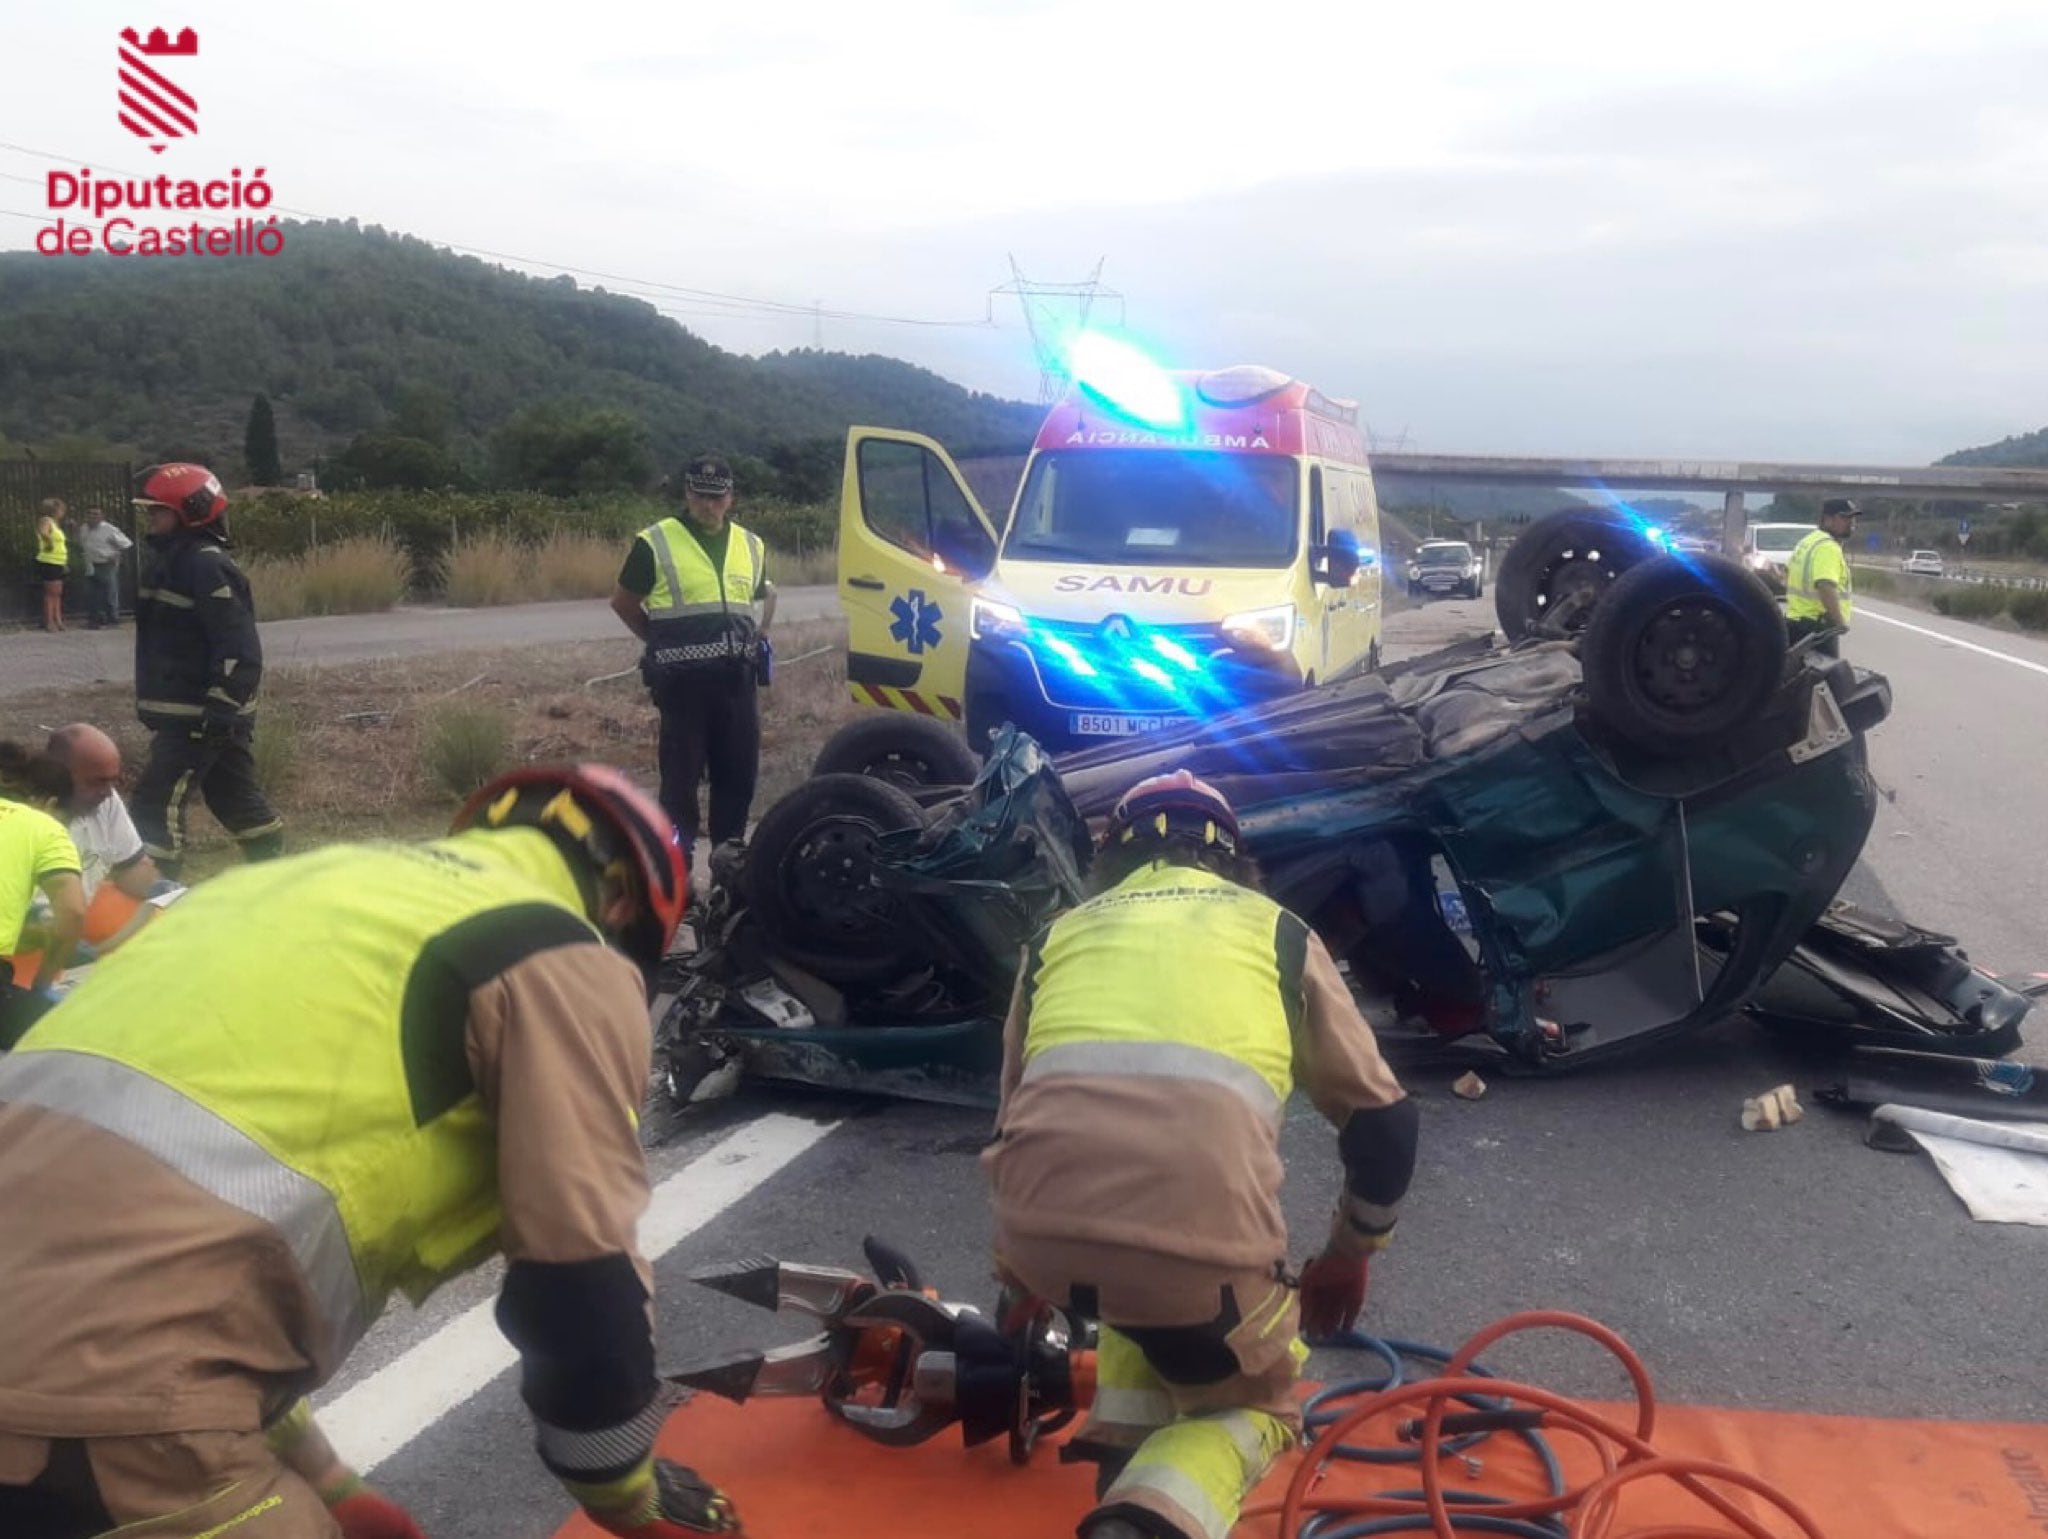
{"x": 484, "y": 569}
{"x": 572, "y": 566}
{"x": 464, "y": 745}
{"x": 430, "y": 526}
{"x": 361, "y": 575}
{"x": 2030, "y": 609}
{"x": 1973, "y": 601}
{"x": 1876, "y": 582}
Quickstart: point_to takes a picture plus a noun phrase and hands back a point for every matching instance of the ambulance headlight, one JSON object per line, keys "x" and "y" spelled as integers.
{"x": 1272, "y": 629}
{"x": 994, "y": 621}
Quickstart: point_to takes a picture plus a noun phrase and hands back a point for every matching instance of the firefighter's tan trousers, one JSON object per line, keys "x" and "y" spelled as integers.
{"x": 1203, "y": 1409}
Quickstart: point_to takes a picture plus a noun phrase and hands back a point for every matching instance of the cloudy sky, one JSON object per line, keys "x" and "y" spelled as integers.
{"x": 1791, "y": 229}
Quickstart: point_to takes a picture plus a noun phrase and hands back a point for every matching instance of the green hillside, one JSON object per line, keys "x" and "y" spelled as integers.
{"x": 2026, "y": 451}
{"x": 350, "y": 329}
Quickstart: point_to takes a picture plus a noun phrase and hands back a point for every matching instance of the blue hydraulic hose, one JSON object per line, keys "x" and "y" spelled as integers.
{"x": 1325, "y": 1409}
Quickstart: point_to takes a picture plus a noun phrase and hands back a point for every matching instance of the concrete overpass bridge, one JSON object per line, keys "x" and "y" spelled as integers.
{"x": 1732, "y": 478}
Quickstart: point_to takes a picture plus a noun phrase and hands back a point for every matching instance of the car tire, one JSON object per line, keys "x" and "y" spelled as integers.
{"x": 1561, "y": 556}
{"x": 1681, "y": 652}
{"x": 806, "y": 878}
{"x": 905, "y": 750}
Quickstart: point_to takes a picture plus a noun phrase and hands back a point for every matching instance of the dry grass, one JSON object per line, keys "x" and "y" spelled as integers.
{"x": 814, "y": 568}
{"x": 358, "y": 576}
{"x": 466, "y": 743}
{"x": 494, "y": 568}
{"x": 354, "y": 737}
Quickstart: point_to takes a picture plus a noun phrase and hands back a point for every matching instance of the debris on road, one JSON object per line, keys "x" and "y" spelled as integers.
{"x": 1773, "y": 1109}
{"x": 1468, "y": 1086}
{"x": 1999, "y": 1172}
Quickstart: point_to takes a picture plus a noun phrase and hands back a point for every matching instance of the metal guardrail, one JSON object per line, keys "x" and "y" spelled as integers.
{"x": 1975, "y": 576}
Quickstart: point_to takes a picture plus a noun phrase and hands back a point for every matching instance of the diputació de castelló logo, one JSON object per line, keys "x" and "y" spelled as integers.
{"x": 156, "y": 101}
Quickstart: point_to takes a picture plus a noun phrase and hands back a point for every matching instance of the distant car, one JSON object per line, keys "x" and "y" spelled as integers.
{"x": 1444, "y": 566}
{"x": 1686, "y": 545}
{"x": 1923, "y": 563}
{"x": 1769, "y": 547}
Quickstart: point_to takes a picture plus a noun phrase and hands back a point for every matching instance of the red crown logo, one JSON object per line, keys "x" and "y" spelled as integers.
{"x": 152, "y": 106}
{"x": 159, "y": 45}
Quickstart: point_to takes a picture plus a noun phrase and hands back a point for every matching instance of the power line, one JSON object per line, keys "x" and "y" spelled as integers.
{"x": 1052, "y": 370}
{"x": 813, "y": 312}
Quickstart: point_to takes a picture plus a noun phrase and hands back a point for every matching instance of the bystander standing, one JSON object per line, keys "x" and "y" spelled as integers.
{"x": 104, "y": 543}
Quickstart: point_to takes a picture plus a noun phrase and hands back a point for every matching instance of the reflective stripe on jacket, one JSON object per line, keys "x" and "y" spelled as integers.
{"x": 1811, "y": 562}
{"x": 1101, "y": 1005}
{"x": 696, "y": 613}
{"x": 352, "y": 1124}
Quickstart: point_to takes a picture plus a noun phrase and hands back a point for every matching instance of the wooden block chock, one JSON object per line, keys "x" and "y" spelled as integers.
{"x": 1775, "y": 1108}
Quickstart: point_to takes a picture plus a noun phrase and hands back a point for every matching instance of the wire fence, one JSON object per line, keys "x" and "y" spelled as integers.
{"x": 24, "y": 486}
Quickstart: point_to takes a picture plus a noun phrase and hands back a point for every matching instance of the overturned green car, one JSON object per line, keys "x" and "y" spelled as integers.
{"x": 1625, "y": 819}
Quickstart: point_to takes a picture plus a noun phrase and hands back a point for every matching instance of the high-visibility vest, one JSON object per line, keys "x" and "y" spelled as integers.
{"x": 1802, "y": 598}
{"x": 1174, "y": 972}
{"x": 53, "y": 547}
{"x": 292, "y": 1039}
{"x": 696, "y": 613}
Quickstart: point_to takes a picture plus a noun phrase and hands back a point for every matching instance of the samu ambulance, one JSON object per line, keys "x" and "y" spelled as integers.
{"x": 1176, "y": 546}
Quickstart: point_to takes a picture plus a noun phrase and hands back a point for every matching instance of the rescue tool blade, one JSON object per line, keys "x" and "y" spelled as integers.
{"x": 821, "y": 1291}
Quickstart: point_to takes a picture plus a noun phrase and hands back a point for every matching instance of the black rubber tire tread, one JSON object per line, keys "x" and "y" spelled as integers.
{"x": 877, "y": 952}
{"x": 1517, "y": 581}
{"x": 1608, "y": 651}
{"x": 929, "y": 751}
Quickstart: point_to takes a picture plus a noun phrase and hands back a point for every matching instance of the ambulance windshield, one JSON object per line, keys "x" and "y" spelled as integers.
{"x": 1152, "y": 507}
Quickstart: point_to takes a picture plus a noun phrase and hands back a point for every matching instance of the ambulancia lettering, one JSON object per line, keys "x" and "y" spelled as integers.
{"x": 1139, "y": 438}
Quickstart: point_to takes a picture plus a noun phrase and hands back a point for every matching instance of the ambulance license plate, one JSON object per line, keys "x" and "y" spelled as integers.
{"x": 1094, "y": 724}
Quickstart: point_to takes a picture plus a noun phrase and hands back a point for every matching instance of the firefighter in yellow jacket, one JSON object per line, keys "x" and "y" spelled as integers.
{"x": 316, "y": 1082}
{"x": 1150, "y": 1049}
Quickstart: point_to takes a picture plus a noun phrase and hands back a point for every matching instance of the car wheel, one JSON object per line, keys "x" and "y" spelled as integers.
{"x": 908, "y": 751}
{"x": 807, "y": 878}
{"x": 1680, "y": 653}
{"x": 1560, "y": 567}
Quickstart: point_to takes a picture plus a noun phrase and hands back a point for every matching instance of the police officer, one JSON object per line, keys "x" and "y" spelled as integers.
{"x": 1819, "y": 592}
{"x": 1149, "y": 1052}
{"x": 695, "y": 590}
{"x": 198, "y": 665}
{"x": 312, "y": 1084}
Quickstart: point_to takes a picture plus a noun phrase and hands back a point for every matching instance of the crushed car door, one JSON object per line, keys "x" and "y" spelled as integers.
{"x": 913, "y": 543}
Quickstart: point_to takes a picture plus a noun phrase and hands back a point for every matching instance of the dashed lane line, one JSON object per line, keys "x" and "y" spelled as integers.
{"x": 376, "y": 1418}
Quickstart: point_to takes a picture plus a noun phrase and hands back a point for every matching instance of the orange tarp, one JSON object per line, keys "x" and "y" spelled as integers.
{"x": 797, "y": 1474}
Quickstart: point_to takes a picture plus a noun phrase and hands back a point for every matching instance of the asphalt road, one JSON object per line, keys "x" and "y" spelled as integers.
{"x": 37, "y": 661}
{"x": 1795, "y": 1270}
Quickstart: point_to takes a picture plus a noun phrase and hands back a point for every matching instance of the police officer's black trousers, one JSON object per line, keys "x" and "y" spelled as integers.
{"x": 1799, "y": 630}
{"x": 221, "y": 767}
{"x": 710, "y": 722}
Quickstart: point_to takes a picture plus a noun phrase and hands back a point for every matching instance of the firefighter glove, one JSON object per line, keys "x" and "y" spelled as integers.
{"x": 1332, "y": 1295}
{"x": 362, "y": 1513}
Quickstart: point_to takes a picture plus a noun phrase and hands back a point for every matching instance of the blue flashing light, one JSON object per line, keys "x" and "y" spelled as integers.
{"x": 1145, "y": 668}
{"x": 1070, "y": 654}
{"x": 1126, "y": 380}
{"x": 1174, "y": 652}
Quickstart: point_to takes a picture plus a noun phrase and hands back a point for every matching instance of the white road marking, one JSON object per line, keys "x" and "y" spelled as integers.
{"x": 1955, "y": 641}
{"x": 376, "y": 1418}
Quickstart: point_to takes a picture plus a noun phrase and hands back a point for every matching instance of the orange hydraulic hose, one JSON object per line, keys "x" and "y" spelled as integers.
{"x": 1626, "y": 1456}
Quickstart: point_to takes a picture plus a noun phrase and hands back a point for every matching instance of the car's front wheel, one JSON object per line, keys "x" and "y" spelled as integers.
{"x": 1679, "y": 653}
